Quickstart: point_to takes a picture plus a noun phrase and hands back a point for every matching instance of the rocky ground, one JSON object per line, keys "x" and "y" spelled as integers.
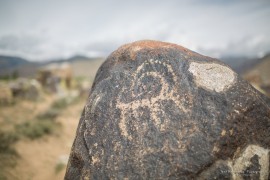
{"x": 43, "y": 157}
{"x": 36, "y": 135}
{"x": 46, "y": 158}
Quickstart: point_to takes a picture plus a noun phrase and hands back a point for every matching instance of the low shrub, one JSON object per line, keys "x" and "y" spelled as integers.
{"x": 59, "y": 167}
{"x": 6, "y": 141}
{"x": 60, "y": 104}
{"x": 63, "y": 103}
{"x": 50, "y": 114}
{"x": 8, "y": 154}
{"x": 36, "y": 129}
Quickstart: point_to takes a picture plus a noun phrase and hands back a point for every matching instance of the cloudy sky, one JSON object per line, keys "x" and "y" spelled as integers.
{"x": 47, "y": 29}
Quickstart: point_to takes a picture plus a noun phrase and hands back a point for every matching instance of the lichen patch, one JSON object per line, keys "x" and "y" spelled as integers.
{"x": 244, "y": 160}
{"x": 241, "y": 161}
{"x": 212, "y": 76}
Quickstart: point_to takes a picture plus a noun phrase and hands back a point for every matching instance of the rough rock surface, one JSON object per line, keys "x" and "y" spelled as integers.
{"x": 160, "y": 111}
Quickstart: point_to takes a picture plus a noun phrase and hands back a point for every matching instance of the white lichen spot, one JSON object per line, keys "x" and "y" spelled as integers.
{"x": 216, "y": 149}
{"x": 212, "y": 76}
{"x": 242, "y": 160}
{"x": 241, "y": 163}
{"x": 86, "y": 178}
{"x": 95, "y": 159}
{"x": 95, "y": 102}
{"x": 223, "y": 133}
{"x": 237, "y": 111}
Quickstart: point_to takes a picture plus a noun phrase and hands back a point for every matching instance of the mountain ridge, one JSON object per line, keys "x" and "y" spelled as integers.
{"x": 25, "y": 68}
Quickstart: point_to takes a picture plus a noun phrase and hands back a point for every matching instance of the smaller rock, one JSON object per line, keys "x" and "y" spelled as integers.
{"x": 52, "y": 75}
{"x": 26, "y": 89}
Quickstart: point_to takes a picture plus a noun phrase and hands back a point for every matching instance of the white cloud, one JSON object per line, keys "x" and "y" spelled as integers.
{"x": 249, "y": 46}
{"x": 49, "y": 29}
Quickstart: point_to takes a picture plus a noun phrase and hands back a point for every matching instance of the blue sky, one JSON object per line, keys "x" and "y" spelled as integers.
{"x": 40, "y": 30}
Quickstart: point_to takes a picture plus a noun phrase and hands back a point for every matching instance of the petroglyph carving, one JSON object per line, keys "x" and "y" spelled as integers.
{"x": 212, "y": 76}
{"x": 162, "y": 92}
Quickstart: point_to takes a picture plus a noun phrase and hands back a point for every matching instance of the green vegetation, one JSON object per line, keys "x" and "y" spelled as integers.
{"x": 13, "y": 76}
{"x": 63, "y": 103}
{"x": 31, "y": 127}
{"x": 45, "y": 123}
{"x": 80, "y": 79}
{"x": 50, "y": 114}
{"x": 7, "y": 139}
{"x": 59, "y": 167}
{"x": 7, "y": 152}
{"x": 60, "y": 104}
{"x": 36, "y": 129}
{"x": 2, "y": 176}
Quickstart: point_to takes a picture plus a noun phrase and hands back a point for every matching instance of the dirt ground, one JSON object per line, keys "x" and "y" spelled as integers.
{"x": 45, "y": 158}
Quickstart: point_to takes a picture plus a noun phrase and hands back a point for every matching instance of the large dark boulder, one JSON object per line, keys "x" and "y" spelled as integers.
{"x": 160, "y": 111}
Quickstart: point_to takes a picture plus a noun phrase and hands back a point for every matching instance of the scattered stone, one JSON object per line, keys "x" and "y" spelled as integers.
{"x": 160, "y": 111}
{"x": 29, "y": 89}
{"x": 52, "y": 75}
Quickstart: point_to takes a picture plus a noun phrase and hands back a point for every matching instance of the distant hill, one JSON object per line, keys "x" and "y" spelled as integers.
{"x": 82, "y": 66}
{"x": 72, "y": 59}
{"x": 25, "y": 68}
{"x": 239, "y": 64}
{"x": 262, "y": 64}
{"x": 259, "y": 74}
{"x": 79, "y": 58}
{"x": 86, "y": 68}
{"x": 10, "y": 65}
{"x": 7, "y": 62}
